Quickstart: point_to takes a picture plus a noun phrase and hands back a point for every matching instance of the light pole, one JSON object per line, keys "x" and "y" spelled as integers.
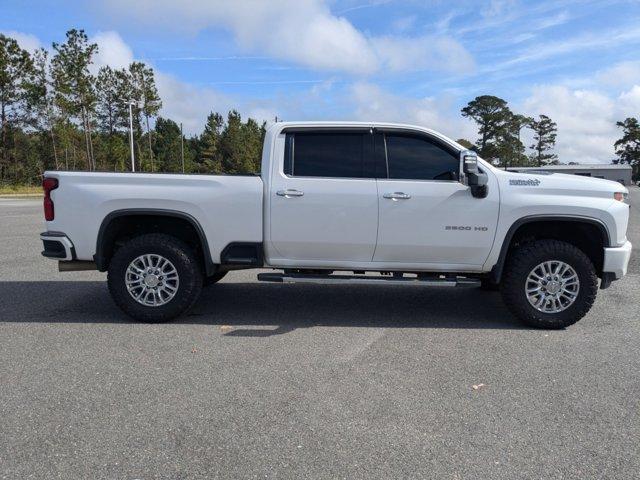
{"x": 182, "y": 147}
{"x": 131, "y": 103}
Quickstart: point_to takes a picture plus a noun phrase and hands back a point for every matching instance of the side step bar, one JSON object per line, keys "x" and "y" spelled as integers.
{"x": 367, "y": 280}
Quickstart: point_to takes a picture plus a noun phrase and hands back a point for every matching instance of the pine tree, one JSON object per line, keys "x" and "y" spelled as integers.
{"x": 15, "y": 67}
{"x": 107, "y": 101}
{"x": 112, "y": 93}
{"x": 509, "y": 143}
{"x": 74, "y": 84}
{"x": 231, "y": 146}
{"x": 628, "y": 147}
{"x": 252, "y": 140}
{"x": 209, "y": 143}
{"x": 145, "y": 93}
{"x": 40, "y": 110}
{"x": 492, "y": 116}
{"x": 167, "y": 146}
{"x": 545, "y": 131}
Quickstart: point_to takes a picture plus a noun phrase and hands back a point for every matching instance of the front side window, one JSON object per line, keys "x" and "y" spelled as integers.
{"x": 411, "y": 157}
{"x": 325, "y": 154}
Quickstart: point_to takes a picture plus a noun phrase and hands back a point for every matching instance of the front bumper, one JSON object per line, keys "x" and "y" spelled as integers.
{"x": 616, "y": 260}
{"x": 57, "y": 246}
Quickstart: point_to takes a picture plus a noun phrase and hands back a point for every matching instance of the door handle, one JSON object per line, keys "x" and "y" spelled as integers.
{"x": 289, "y": 193}
{"x": 397, "y": 196}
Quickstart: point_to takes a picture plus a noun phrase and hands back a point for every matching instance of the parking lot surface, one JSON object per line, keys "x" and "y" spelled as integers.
{"x": 276, "y": 381}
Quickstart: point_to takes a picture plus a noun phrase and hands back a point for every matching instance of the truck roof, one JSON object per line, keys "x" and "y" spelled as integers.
{"x": 346, "y": 123}
{"x": 279, "y": 126}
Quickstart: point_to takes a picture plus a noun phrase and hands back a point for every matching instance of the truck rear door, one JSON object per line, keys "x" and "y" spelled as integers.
{"x": 324, "y": 201}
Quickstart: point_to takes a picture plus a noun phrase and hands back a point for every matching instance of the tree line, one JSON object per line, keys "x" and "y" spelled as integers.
{"x": 56, "y": 114}
{"x": 499, "y": 136}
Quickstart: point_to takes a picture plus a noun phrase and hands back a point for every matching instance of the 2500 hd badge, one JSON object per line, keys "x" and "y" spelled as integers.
{"x": 466, "y": 228}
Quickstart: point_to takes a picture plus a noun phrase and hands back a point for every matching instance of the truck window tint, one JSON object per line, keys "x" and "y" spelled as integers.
{"x": 416, "y": 158}
{"x": 327, "y": 155}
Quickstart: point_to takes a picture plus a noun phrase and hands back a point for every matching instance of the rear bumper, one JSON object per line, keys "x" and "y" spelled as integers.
{"x": 57, "y": 246}
{"x": 616, "y": 260}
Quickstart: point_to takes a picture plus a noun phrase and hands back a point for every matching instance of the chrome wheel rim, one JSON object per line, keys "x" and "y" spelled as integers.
{"x": 552, "y": 286}
{"x": 152, "y": 280}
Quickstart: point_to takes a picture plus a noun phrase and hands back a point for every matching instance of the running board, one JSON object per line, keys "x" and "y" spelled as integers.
{"x": 367, "y": 280}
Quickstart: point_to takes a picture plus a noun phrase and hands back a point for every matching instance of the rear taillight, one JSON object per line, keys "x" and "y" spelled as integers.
{"x": 49, "y": 184}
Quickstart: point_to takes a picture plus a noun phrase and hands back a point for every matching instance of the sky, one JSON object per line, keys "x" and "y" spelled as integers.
{"x": 406, "y": 61}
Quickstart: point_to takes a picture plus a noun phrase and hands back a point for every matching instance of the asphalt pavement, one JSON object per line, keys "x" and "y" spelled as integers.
{"x": 277, "y": 381}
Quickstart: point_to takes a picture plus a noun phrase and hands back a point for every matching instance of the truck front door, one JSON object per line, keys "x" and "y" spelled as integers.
{"x": 323, "y": 199}
{"x": 427, "y": 216}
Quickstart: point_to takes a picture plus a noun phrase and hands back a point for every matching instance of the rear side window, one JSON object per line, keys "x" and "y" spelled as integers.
{"x": 325, "y": 154}
{"x": 417, "y": 158}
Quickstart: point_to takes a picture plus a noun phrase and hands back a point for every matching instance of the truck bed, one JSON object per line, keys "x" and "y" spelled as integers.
{"x": 227, "y": 207}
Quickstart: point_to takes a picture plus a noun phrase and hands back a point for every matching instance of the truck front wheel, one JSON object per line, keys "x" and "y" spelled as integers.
{"x": 154, "y": 278}
{"x": 549, "y": 284}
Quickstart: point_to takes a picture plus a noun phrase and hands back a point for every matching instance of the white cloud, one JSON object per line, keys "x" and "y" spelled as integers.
{"x": 182, "y": 102}
{"x": 590, "y": 41}
{"x": 630, "y": 102}
{"x": 424, "y": 53}
{"x": 190, "y": 104}
{"x": 112, "y": 51}
{"x": 26, "y": 41}
{"x": 586, "y": 120}
{"x": 372, "y": 103}
{"x": 585, "y": 116}
{"x": 305, "y": 32}
{"x": 621, "y": 74}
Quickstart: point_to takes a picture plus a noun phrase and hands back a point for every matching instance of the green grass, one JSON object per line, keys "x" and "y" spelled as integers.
{"x": 19, "y": 189}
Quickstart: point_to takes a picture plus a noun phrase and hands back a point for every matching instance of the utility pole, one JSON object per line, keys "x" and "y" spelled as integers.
{"x": 133, "y": 161}
{"x": 182, "y": 147}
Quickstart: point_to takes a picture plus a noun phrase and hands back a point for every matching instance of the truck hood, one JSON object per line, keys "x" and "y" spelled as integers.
{"x": 562, "y": 183}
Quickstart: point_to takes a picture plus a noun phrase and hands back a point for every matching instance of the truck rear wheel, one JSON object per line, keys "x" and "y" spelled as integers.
{"x": 155, "y": 278}
{"x": 549, "y": 284}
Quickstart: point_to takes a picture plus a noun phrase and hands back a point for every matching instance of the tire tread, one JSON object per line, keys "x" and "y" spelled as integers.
{"x": 191, "y": 278}
{"x": 518, "y": 267}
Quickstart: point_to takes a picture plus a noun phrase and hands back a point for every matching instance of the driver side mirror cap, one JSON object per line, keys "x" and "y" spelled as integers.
{"x": 476, "y": 179}
{"x": 469, "y": 161}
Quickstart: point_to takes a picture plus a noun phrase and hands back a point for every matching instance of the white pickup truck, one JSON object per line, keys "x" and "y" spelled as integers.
{"x": 345, "y": 202}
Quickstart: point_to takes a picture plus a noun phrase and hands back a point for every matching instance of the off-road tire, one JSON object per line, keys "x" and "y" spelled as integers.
{"x": 177, "y": 252}
{"x": 524, "y": 259}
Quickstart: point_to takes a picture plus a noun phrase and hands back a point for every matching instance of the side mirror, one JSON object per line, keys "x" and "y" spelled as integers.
{"x": 476, "y": 179}
{"x": 469, "y": 161}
